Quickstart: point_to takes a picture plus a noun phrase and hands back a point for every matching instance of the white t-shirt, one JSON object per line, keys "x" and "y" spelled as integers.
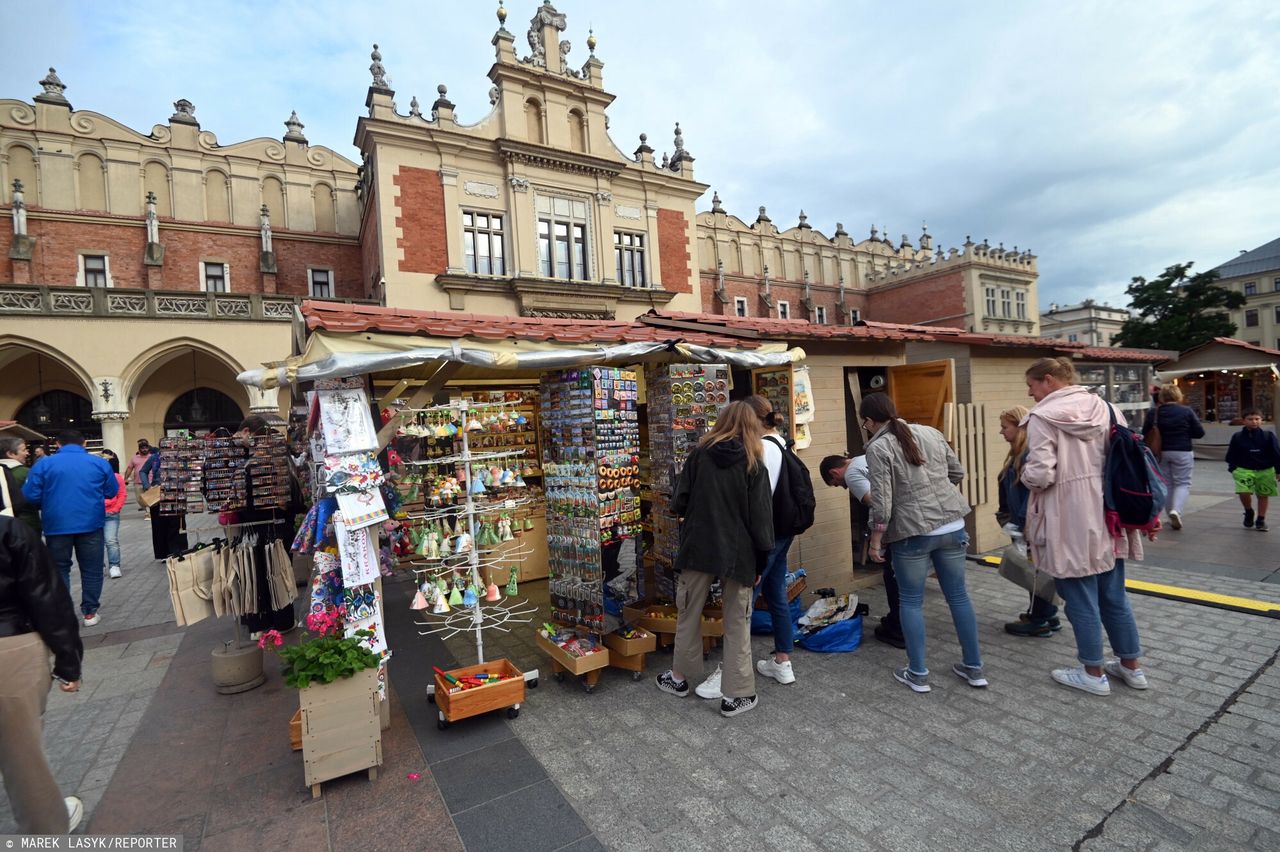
{"x": 857, "y": 478}
{"x": 772, "y": 459}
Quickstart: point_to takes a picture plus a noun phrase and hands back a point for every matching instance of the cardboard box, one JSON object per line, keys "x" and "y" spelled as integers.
{"x": 574, "y": 665}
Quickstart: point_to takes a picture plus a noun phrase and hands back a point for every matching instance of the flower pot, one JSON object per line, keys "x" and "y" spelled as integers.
{"x": 341, "y": 728}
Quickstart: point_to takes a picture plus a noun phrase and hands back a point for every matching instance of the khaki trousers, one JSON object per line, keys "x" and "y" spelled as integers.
{"x": 737, "y": 674}
{"x": 24, "y": 689}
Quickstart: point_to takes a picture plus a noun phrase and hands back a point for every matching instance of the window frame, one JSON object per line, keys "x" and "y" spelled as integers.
{"x": 1250, "y": 288}
{"x": 311, "y": 282}
{"x": 819, "y": 315}
{"x": 1276, "y": 318}
{"x": 204, "y": 276}
{"x": 784, "y": 309}
{"x": 82, "y": 270}
{"x": 990, "y": 297}
{"x": 636, "y": 254}
{"x": 1251, "y": 314}
{"x": 1006, "y": 303}
{"x": 494, "y": 237}
{"x": 855, "y": 316}
{"x": 576, "y": 239}
{"x": 1020, "y": 304}
{"x": 740, "y": 307}
{"x": 1275, "y": 285}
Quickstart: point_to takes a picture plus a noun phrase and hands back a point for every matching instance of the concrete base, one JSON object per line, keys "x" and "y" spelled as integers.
{"x": 237, "y": 669}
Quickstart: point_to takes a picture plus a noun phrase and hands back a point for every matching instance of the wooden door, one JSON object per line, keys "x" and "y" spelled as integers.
{"x": 922, "y": 391}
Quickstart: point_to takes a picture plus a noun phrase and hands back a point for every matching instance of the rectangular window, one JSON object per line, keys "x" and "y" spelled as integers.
{"x": 820, "y": 315}
{"x": 482, "y": 243}
{"x": 321, "y": 283}
{"x": 215, "y": 278}
{"x": 95, "y": 270}
{"x": 1277, "y": 310}
{"x": 1276, "y": 285}
{"x": 1073, "y": 338}
{"x": 562, "y": 238}
{"x": 1251, "y": 318}
{"x": 628, "y": 257}
{"x": 991, "y": 301}
{"x": 1251, "y": 288}
{"x": 855, "y": 316}
{"x": 784, "y": 310}
{"x": 739, "y": 306}
{"x": 1006, "y": 303}
{"x": 1020, "y": 299}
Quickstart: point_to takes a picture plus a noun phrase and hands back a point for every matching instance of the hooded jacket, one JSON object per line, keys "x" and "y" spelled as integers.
{"x": 1253, "y": 449}
{"x": 33, "y": 598}
{"x": 1066, "y": 449}
{"x": 910, "y": 499}
{"x": 727, "y": 511}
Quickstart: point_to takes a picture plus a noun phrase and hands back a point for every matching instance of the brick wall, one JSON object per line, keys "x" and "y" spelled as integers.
{"x": 370, "y": 248}
{"x": 293, "y": 257}
{"x": 921, "y": 301}
{"x": 420, "y": 218}
{"x": 749, "y": 289}
{"x": 673, "y": 251}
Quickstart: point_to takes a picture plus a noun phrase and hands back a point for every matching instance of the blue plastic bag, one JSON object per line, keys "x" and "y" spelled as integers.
{"x": 842, "y": 636}
{"x": 762, "y": 621}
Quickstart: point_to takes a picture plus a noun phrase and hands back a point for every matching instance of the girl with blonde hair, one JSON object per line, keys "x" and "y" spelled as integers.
{"x": 1041, "y": 618}
{"x": 723, "y": 500}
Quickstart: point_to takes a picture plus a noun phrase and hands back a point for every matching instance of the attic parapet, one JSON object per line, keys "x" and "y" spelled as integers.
{"x": 983, "y": 254}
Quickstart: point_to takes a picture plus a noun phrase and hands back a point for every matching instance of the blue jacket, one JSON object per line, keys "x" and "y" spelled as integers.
{"x": 1251, "y": 449}
{"x": 1178, "y": 424}
{"x": 70, "y": 488}
{"x": 1013, "y": 496}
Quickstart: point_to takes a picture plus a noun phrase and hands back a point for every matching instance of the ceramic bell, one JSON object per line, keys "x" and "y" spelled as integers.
{"x": 419, "y": 601}
{"x": 521, "y": 420}
{"x": 519, "y": 483}
{"x": 512, "y": 590}
{"x": 477, "y": 485}
{"x": 508, "y": 478}
{"x": 528, "y": 522}
{"x": 463, "y": 544}
{"x": 469, "y": 596}
{"x": 441, "y": 606}
{"x": 455, "y": 596}
{"x": 492, "y": 594}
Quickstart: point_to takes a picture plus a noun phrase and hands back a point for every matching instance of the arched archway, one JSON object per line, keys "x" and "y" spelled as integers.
{"x": 203, "y": 410}
{"x": 57, "y": 410}
{"x": 43, "y": 389}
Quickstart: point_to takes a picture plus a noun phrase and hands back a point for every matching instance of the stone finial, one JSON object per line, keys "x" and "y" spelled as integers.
{"x": 591, "y": 41}
{"x": 666, "y": 161}
{"x": 502, "y": 15}
{"x": 19, "y": 207}
{"x": 494, "y": 91}
{"x": 379, "y": 71}
{"x": 294, "y": 128}
{"x": 763, "y": 217}
{"x": 681, "y": 155}
{"x": 53, "y": 89}
{"x": 644, "y": 145}
{"x": 184, "y": 112}
{"x": 442, "y": 101}
{"x": 804, "y": 222}
{"x": 715, "y": 203}
{"x": 153, "y": 221}
{"x": 840, "y": 231}
{"x": 415, "y": 109}
{"x": 875, "y": 235}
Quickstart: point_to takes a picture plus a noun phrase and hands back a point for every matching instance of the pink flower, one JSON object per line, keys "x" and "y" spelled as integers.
{"x": 271, "y": 636}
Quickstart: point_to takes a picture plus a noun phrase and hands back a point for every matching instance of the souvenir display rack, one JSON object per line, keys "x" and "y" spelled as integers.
{"x": 181, "y": 474}
{"x": 466, "y": 536}
{"x": 775, "y": 385}
{"x": 591, "y": 465}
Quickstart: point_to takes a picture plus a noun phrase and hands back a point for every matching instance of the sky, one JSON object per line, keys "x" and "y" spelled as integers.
{"x": 1110, "y": 139}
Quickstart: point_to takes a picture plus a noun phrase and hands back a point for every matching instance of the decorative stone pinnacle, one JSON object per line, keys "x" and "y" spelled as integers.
{"x": 502, "y": 14}
{"x": 715, "y": 203}
{"x": 763, "y": 217}
{"x": 415, "y": 109}
{"x": 184, "y": 112}
{"x": 840, "y": 231}
{"x": 294, "y": 127}
{"x": 679, "y": 141}
{"x": 804, "y": 221}
{"x": 591, "y": 41}
{"x": 53, "y": 88}
{"x": 874, "y": 233}
{"x": 378, "y": 71}
{"x": 442, "y": 102}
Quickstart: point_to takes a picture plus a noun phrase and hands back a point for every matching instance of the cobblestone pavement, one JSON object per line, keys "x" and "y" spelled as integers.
{"x": 845, "y": 758}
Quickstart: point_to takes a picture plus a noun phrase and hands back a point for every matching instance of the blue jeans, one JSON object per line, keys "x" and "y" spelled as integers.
{"x": 1095, "y": 602}
{"x": 88, "y": 552}
{"x": 111, "y": 532}
{"x": 912, "y": 558}
{"x": 773, "y": 585}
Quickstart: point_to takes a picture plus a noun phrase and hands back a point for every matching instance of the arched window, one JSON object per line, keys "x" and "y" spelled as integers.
{"x": 22, "y": 166}
{"x": 155, "y": 178}
{"x": 203, "y": 410}
{"x": 217, "y": 206}
{"x": 92, "y": 182}
{"x": 326, "y": 219}
{"x": 55, "y": 410}
{"x": 577, "y": 131}
{"x": 273, "y": 197}
{"x": 533, "y": 121}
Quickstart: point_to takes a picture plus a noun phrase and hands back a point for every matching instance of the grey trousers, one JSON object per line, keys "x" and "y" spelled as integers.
{"x": 737, "y": 674}
{"x": 24, "y": 690}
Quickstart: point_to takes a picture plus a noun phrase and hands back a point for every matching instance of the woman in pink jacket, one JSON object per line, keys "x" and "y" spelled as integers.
{"x": 1066, "y": 529}
{"x": 111, "y": 529}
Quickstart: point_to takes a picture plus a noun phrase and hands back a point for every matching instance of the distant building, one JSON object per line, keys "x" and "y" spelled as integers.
{"x": 1087, "y": 322}
{"x": 1256, "y": 274}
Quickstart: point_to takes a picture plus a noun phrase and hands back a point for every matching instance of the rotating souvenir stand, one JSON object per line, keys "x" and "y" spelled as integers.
{"x": 591, "y": 465}
{"x": 462, "y": 536}
{"x": 683, "y": 402}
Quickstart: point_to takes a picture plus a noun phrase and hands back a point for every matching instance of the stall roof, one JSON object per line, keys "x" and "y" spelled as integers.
{"x": 1231, "y": 354}
{"x": 17, "y": 430}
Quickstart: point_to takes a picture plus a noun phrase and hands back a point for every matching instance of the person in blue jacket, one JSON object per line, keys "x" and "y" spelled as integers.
{"x": 1178, "y": 426}
{"x": 1252, "y": 458}
{"x": 71, "y": 488}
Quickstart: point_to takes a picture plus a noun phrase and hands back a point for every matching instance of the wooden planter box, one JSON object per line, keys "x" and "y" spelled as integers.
{"x": 295, "y": 730}
{"x": 480, "y": 699}
{"x": 341, "y": 728}
{"x": 574, "y": 665}
{"x": 628, "y": 647}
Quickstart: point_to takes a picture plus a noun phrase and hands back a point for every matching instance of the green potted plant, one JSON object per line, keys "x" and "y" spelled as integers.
{"x": 337, "y": 681}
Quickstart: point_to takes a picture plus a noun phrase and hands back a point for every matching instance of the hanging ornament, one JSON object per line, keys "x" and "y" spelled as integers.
{"x": 528, "y": 522}
{"x": 469, "y": 596}
{"x": 441, "y": 605}
{"x": 492, "y": 594}
{"x": 512, "y": 590}
{"x": 477, "y": 485}
{"x": 419, "y": 601}
{"x": 455, "y": 596}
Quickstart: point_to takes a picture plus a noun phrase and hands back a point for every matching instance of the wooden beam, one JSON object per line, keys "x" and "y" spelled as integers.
{"x": 392, "y": 395}
{"x": 420, "y": 399}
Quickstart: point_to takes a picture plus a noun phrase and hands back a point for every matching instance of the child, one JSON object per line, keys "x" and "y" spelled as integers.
{"x": 1252, "y": 459}
{"x": 1041, "y": 619}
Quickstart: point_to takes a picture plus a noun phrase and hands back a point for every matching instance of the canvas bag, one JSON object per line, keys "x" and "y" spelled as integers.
{"x": 150, "y": 497}
{"x": 1016, "y": 567}
{"x": 191, "y": 585}
{"x": 1152, "y": 436}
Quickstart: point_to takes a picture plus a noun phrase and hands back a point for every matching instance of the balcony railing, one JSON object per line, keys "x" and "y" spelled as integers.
{"x": 149, "y": 304}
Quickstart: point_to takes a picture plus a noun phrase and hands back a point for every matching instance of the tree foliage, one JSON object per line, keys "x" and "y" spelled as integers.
{"x": 1178, "y": 310}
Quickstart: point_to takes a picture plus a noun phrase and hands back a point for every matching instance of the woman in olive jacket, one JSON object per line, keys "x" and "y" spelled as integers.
{"x": 724, "y": 500}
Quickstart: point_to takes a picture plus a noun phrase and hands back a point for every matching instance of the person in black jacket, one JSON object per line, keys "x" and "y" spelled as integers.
{"x": 1252, "y": 458}
{"x": 36, "y": 617}
{"x": 1179, "y": 426}
{"x": 726, "y": 508}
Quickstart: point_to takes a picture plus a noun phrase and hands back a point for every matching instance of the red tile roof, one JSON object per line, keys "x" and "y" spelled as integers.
{"x": 1231, "y": 341}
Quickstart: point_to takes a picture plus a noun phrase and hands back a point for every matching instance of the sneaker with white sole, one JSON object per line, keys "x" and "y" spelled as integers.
{"x": 1080, "y": 679}
{"x": 710, "y": 688}
{"x": 667, "y": 683}
{"x": 970, "y": 674}
{"x": 917, "y": 682}
{"x": 75, "y": 812}
{"x": 114, "y": 572}
{"x": 1133, "y": 678}
{"x": 738, "y": 706}
{"x": 1175, "y": 520}
{"x": 781, "y": 672}
{"x": 91, "y": 619}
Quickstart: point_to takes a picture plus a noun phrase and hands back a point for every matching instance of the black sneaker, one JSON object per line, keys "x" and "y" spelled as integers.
{"x": 1248, "y": 517}
{"x": 678, "y": 688}
{"x": 1261, "y": 525}
{"x": 1055, "y": 623}
{"x": 737, "y": 706}
{"x": 1040, "y": 629}
{"x": 889, "y": 637}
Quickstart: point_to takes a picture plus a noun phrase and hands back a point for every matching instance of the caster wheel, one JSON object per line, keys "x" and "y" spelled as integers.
{"x": 513, "y": 712}
{"x": 590, "y": 689}
{"x": 560, "y": 676}
{"x": 441, "y": 724}
{"x": 636, "y": 675}
{"x": 533, "y": 684}
{"x": 431, "y": 698}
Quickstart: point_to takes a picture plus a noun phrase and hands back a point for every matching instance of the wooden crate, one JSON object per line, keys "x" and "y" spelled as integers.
{"x": 629, "y": 647}
{"x": 295, "y": 730}
{"x": 793, "y": 591}
{"x": 341, "y": 728}
{"x": 465, "y": 703}
{"x": 664, "y": 622}
{"x": 573, "y": 665}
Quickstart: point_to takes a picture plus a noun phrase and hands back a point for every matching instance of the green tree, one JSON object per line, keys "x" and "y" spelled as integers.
{"x": 1178, "y": 310}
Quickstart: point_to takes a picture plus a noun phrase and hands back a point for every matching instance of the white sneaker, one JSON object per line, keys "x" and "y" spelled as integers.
{"x": 114, "y": 572}
{"x": 91, "y": 619}
{"x": 781, "y": 672}
{"x": 710, "y": 688}
{"x": 75, "y": 812}
{"x": 1133, "y": 678}
{"x": 1175, "y": 520}
{"x": 1081, "y": 679}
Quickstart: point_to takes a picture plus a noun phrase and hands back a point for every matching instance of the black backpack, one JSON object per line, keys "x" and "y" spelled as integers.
{"x": 1134, "y": 489}
{"x": 793, "y": 499}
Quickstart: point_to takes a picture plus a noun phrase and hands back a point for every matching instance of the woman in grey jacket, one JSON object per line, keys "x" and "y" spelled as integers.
{"x": 917, "y": 510}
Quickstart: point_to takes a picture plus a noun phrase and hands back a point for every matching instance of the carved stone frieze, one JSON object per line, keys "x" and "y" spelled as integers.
{"x": 225, "y": 307}
{"x": 182, "y": 306}
{"x": 123, "y": 303}
{"x": 72, "y": 303}
{"x": 519, "y": 184}
{"x": 20, "y": 301}
{"x": 622, "y": 211}
{"x": 480, "y": 189}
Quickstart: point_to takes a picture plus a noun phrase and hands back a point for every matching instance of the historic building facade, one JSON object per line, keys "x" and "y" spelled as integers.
{"x": 144, "y": 271}
{"x": 1087, "y": 322}
{"x": 1256, "y": 275}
